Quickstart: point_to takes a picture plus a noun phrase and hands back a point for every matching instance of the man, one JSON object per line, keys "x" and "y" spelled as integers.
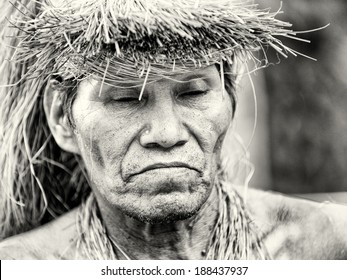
{"x": 133, "y": 99}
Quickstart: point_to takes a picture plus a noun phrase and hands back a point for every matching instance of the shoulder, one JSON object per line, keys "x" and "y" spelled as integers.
{"x": 55, "y": 240}
{"x": 294, "y": 228}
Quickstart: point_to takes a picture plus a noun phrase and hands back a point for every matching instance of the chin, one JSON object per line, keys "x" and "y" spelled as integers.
{"x": 167, "y": 207}
{"x": 167, "y": 218}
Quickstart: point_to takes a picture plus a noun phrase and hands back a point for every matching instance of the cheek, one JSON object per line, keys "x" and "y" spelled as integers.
{"x": 220, "y": 125}
{"x": 211, "y": 124}
{"x": 98, "y": 138}
{"x": 221, "y": 113}
{"x": 92, "y": 143}
{"x": 102, "y": 153}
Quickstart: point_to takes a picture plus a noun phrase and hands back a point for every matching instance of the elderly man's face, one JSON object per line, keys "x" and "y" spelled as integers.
{"x": 153, "y": 159}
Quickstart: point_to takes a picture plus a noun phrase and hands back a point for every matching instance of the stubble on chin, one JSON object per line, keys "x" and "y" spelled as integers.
{"x": 166, "y": 207}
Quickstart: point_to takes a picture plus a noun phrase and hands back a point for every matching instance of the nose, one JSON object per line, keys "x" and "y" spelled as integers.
{"x": 164, "y": 128}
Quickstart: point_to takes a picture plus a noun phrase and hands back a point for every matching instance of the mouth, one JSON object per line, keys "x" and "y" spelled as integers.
{"x": 171, "y": 165}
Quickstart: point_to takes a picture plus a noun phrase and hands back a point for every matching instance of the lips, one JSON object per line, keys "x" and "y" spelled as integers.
{"x": 156, "y": 166}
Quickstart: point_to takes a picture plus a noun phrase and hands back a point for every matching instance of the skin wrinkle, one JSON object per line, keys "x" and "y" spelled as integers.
{"x": 178, "y": 154}
{"x": 172, "y": 239}
{"x": 96, "y": 153}
{"x": 183, "y": 129}
{"x": 170, "y": 169}
{"x": 155, "y": 233}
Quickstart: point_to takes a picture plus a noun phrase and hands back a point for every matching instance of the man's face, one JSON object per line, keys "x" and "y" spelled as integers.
{"x": 153, "y": 159}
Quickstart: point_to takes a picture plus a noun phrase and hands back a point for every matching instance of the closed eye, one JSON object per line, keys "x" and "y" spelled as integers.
{"x": 126, "y": 99}
{"x": 192, "y": 94}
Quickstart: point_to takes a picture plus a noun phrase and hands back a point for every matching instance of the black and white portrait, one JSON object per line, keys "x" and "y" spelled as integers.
{"x": 173, "y": 130}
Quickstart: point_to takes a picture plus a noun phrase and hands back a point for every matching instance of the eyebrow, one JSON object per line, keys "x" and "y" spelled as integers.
{"x": 119, "y": 90}
{"x": 179, "y": 79}
{"x": 191, "y": 77}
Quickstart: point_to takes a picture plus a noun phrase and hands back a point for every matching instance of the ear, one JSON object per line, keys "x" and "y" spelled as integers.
{"x": 57, "y": 121}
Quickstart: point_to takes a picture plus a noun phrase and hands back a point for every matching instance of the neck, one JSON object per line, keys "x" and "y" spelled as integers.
{"x": 185, "y": 239}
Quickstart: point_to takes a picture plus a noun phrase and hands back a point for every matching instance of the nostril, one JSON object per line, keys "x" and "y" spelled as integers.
{"x": 181, "y": 143}
{"x": 161, "y": 143}
{"x": 152, "y": 145}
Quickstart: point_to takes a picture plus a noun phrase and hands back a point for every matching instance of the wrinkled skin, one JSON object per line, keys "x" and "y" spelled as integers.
{"x": 118, "y": 144}
{"x": 153, "y": 159}
{"x": 290, "y": 228}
